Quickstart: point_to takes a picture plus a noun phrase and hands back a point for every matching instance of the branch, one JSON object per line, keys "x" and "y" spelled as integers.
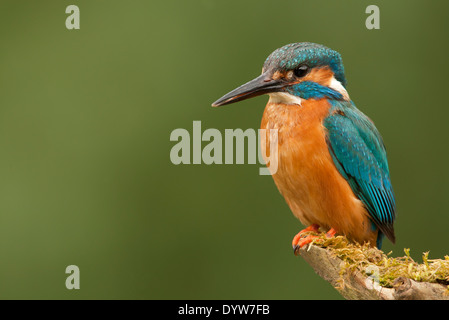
{"x": 365, "y": 273}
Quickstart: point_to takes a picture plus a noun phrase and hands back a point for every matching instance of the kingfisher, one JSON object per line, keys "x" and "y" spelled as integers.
{"x": 332, "y": 163}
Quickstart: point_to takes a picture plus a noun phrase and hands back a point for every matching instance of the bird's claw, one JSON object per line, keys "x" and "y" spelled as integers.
{"x": 300, "y": 241}
{"x": 303, "y": 242}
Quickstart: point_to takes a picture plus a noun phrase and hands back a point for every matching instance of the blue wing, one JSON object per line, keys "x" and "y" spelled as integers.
{"x": 359, "y": 154}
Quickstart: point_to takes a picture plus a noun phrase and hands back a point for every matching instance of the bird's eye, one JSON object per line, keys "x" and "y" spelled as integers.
{"x": 301, "y": 71}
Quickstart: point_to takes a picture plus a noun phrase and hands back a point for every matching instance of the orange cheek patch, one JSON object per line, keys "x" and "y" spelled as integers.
{"x": 321, "y": 76}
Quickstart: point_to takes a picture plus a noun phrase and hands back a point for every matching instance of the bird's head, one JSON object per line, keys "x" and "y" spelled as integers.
{"x": 293, "y": 73}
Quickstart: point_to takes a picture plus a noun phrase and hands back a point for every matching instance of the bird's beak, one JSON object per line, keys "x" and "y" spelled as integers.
{"x": 256, "y": 87}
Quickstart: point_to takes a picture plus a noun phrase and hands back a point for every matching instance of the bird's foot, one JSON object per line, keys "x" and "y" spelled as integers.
{"x": 299, "y": 242}
{"x": 304, "y": 241}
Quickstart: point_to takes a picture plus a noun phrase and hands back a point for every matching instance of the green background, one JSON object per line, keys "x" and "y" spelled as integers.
{"x": 85, "y": 123}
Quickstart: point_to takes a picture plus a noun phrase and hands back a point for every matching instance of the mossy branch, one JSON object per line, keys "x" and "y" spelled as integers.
{"x": 363, "y": 272}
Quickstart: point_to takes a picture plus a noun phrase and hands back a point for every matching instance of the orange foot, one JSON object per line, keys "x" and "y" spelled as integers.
{"x": 298, "y": 237}
{"x": 299, "y": 242}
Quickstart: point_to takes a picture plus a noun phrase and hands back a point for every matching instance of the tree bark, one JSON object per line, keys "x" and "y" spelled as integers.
{"x": 353, "y": 284}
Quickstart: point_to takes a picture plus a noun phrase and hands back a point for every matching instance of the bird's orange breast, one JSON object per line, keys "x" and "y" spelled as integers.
{"x": 306, "y": 175}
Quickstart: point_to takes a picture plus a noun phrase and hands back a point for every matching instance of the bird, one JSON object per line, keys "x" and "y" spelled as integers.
{"x": 332, "y": 163}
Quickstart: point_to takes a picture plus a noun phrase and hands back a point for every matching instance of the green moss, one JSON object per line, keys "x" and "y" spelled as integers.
{"x": 375, "y": 263}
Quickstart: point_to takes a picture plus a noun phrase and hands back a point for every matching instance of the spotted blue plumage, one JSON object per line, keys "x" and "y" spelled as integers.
{"x": 313, "y": 55}
{"x": 359, "y": 154}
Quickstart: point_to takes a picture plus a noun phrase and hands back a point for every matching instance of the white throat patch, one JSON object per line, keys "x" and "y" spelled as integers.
{"x": 284, "y": 97}
{"x": 337, "y": 86}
